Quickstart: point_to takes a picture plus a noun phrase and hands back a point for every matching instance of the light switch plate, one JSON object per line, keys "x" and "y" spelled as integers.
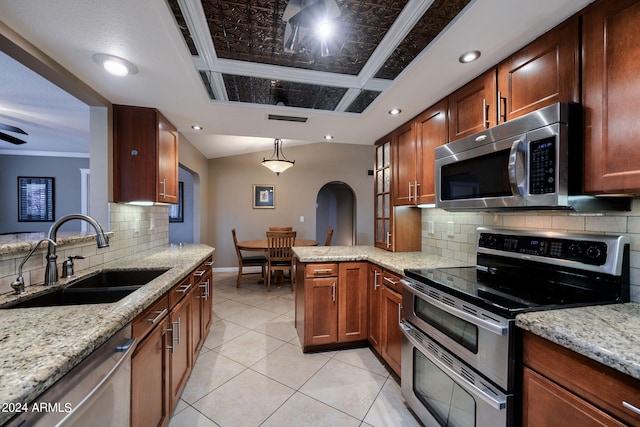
{"x": 450, "y": 231}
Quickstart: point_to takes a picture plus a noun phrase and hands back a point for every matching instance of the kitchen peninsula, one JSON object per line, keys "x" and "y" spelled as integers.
{"x": 40, "y": 345}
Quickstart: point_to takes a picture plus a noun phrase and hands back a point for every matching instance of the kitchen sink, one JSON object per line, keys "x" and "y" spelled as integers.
{"x": 98, "y": 288}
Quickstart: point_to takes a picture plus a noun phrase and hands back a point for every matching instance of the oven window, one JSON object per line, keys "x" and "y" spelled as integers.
{"x": 477, "y": 177}
{"x": 461, "y": 331}
{"x": 449, "y": 403}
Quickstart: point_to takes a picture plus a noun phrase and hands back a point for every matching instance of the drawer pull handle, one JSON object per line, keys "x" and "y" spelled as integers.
{"x": 199, "y": 273}
{"x": 631, "y": 407}
{"x": 184, "y": 289}
{"x": 393, "y": 282}
{"x": 208, "y": 263}
{"x": 323, "y": 271}
{"x": 159, "y": 315}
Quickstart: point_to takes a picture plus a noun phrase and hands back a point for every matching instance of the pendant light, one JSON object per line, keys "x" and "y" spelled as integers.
{"x": 276, "y": 163}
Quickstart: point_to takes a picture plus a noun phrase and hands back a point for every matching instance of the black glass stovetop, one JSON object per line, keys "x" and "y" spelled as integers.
{"x": 518, "y": 289}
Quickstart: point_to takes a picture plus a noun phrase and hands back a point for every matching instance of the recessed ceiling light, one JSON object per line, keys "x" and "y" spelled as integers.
{"x": 324, "y": 29}
{"x": 115, "y": 65}
{"x": 197, "y": 127}
{"x": 328, "y": 137}
{"x": 470, "y": 56}
{"x": 395, "y": 111}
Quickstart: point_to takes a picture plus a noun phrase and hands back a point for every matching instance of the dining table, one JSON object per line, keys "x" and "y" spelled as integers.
{"x": 262, "y": 245}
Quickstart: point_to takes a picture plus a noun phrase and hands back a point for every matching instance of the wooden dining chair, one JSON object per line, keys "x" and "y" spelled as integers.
{"x": 279, "y": 254}
{"x": 280, "y": 228}
{"x": 248, "y": 261}
{"x": 327, "y": 241}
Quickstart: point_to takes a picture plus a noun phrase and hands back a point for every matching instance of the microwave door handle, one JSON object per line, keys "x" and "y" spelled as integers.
{"x": 517, "y": 188}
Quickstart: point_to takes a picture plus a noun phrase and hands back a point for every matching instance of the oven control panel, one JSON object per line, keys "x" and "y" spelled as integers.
{"x": 590, "y": 252}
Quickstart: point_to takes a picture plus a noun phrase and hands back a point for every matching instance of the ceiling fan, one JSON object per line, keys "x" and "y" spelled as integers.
{"x": 9, "y": 138}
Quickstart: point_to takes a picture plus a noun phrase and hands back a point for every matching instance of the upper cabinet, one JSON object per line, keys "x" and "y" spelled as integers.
{"x": 542, "y": 73}
{"x": 472, "y": 108}
{"x": 145, "y": 156}
{"x": 413, "y": 147}
{"x": 610, "y": 78}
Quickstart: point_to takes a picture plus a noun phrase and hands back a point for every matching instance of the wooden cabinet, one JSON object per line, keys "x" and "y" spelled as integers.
{"x": 150, "y": 366}
{"x": 544, "y": 72}
{"x": 586, "y": 393}
{"x": 397, "y": 229}
{"x": 202, "y": 304}
{"x": 180, "y": 343}
{"x": 374, "y": 286}
{"x": 391, "y": 304}
{"x": 170, "y": 332}
{"x": 610, "y": 64}
{"x": 413, "y": 156}
{"x": 473, "y": 107}
{"x": 352, "y": 301}
{"x": 145, "y": 156}
{"x": 331, "y": 304}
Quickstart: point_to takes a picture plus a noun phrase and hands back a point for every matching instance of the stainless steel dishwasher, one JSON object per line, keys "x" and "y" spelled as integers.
{"x": 97, "y": 392}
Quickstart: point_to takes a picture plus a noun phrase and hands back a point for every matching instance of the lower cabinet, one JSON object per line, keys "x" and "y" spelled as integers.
{"x": 170, "y": 332}
{"x": 583, "y": 391}
{"x": 331, "y": 304}
{"x": 391, "y": 336}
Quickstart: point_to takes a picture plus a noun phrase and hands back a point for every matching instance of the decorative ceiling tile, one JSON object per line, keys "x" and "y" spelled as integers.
{"x": 238, "y": 45}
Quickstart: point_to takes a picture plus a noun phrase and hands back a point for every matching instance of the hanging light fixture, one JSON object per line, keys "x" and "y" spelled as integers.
{"x": 276, "y": 163}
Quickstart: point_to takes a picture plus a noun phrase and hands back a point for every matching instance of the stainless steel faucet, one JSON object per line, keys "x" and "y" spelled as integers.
{"x": 51, "y": 271}
{"x": 18, "y": 284}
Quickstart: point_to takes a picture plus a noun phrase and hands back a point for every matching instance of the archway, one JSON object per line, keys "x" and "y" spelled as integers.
{"x": 335, "y": 208}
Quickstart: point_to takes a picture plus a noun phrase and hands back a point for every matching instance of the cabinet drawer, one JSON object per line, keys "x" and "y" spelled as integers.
{"x": 321, "y": 270}
{"x": 179, "y": 291}
{"x": 153, "y": 315}
{"x": 391, "y": 280}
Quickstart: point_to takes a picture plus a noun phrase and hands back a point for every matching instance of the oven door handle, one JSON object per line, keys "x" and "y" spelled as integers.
{"x": 484, "y": 324}
{"x": 486, "y": 395}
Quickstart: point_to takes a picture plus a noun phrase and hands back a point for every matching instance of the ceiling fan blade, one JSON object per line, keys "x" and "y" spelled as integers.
{"x": 11, "y": 139}
{"x": 12, "y": 129}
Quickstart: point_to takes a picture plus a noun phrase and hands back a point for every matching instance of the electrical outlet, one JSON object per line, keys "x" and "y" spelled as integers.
{"x": 430, "y": 227}
{"x": 450, "y": 231}
{"x": 301, "y": 219}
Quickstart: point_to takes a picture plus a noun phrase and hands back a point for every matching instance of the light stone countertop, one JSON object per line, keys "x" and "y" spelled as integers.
{"x": 393, "y": 261}
{"x": 609, "y": 334}
{"x": 39, "y": 345}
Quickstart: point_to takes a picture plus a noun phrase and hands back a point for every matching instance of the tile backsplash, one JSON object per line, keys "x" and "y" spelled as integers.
{"x": 133, "y": 229}
{"x": 460, "y": 244}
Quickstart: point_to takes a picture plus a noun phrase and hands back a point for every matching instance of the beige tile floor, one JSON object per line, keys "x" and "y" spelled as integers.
{"x": 252, "y": 372}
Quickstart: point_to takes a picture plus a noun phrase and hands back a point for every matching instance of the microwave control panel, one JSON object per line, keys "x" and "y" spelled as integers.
{"x": 542, "y": 166}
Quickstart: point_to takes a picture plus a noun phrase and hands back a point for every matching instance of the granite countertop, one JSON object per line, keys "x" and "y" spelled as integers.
{"x": 393, "y": 261}
{"x": 39, "y": 345}
{"x": 607, "y": 333}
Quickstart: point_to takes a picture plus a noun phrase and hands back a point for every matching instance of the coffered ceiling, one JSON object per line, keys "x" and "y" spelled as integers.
{"x": 229, "y": 66}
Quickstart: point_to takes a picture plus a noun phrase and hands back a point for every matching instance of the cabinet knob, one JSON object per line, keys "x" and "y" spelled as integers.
{"x": 134, "y": 153}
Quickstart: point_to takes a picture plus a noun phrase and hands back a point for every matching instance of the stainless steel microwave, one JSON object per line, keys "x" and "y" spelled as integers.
{"x": 534, "y": 161}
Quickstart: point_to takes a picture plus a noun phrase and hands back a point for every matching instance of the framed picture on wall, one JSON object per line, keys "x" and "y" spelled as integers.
{"x": 264, "y": 196}
{"x": 176, "y": 212}
{"x": 35, "y": 199}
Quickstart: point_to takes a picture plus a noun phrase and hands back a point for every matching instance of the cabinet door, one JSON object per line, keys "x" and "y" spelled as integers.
{"x": 352, "y": 301}
{"x": 150, "y": 380}
{"x": 374, "y": 312}
{"x": 167, "y": 183}
{"x": 181, "y": 352}
{"x": 546, "y": 404}
{"x": 610, "y": 64}
{"x": 404, "y": 165}
{"x": 321, "y": 311}
{"x": 472, "y": 108}
{"x": 431, "y": 129}
{"x": 542, "y": 73}
{"x": 382, "y": 189}
{"x": 391, "y": 333}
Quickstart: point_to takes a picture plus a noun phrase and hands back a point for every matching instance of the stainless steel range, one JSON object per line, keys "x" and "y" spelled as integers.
{"x": 460, "y": 352}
